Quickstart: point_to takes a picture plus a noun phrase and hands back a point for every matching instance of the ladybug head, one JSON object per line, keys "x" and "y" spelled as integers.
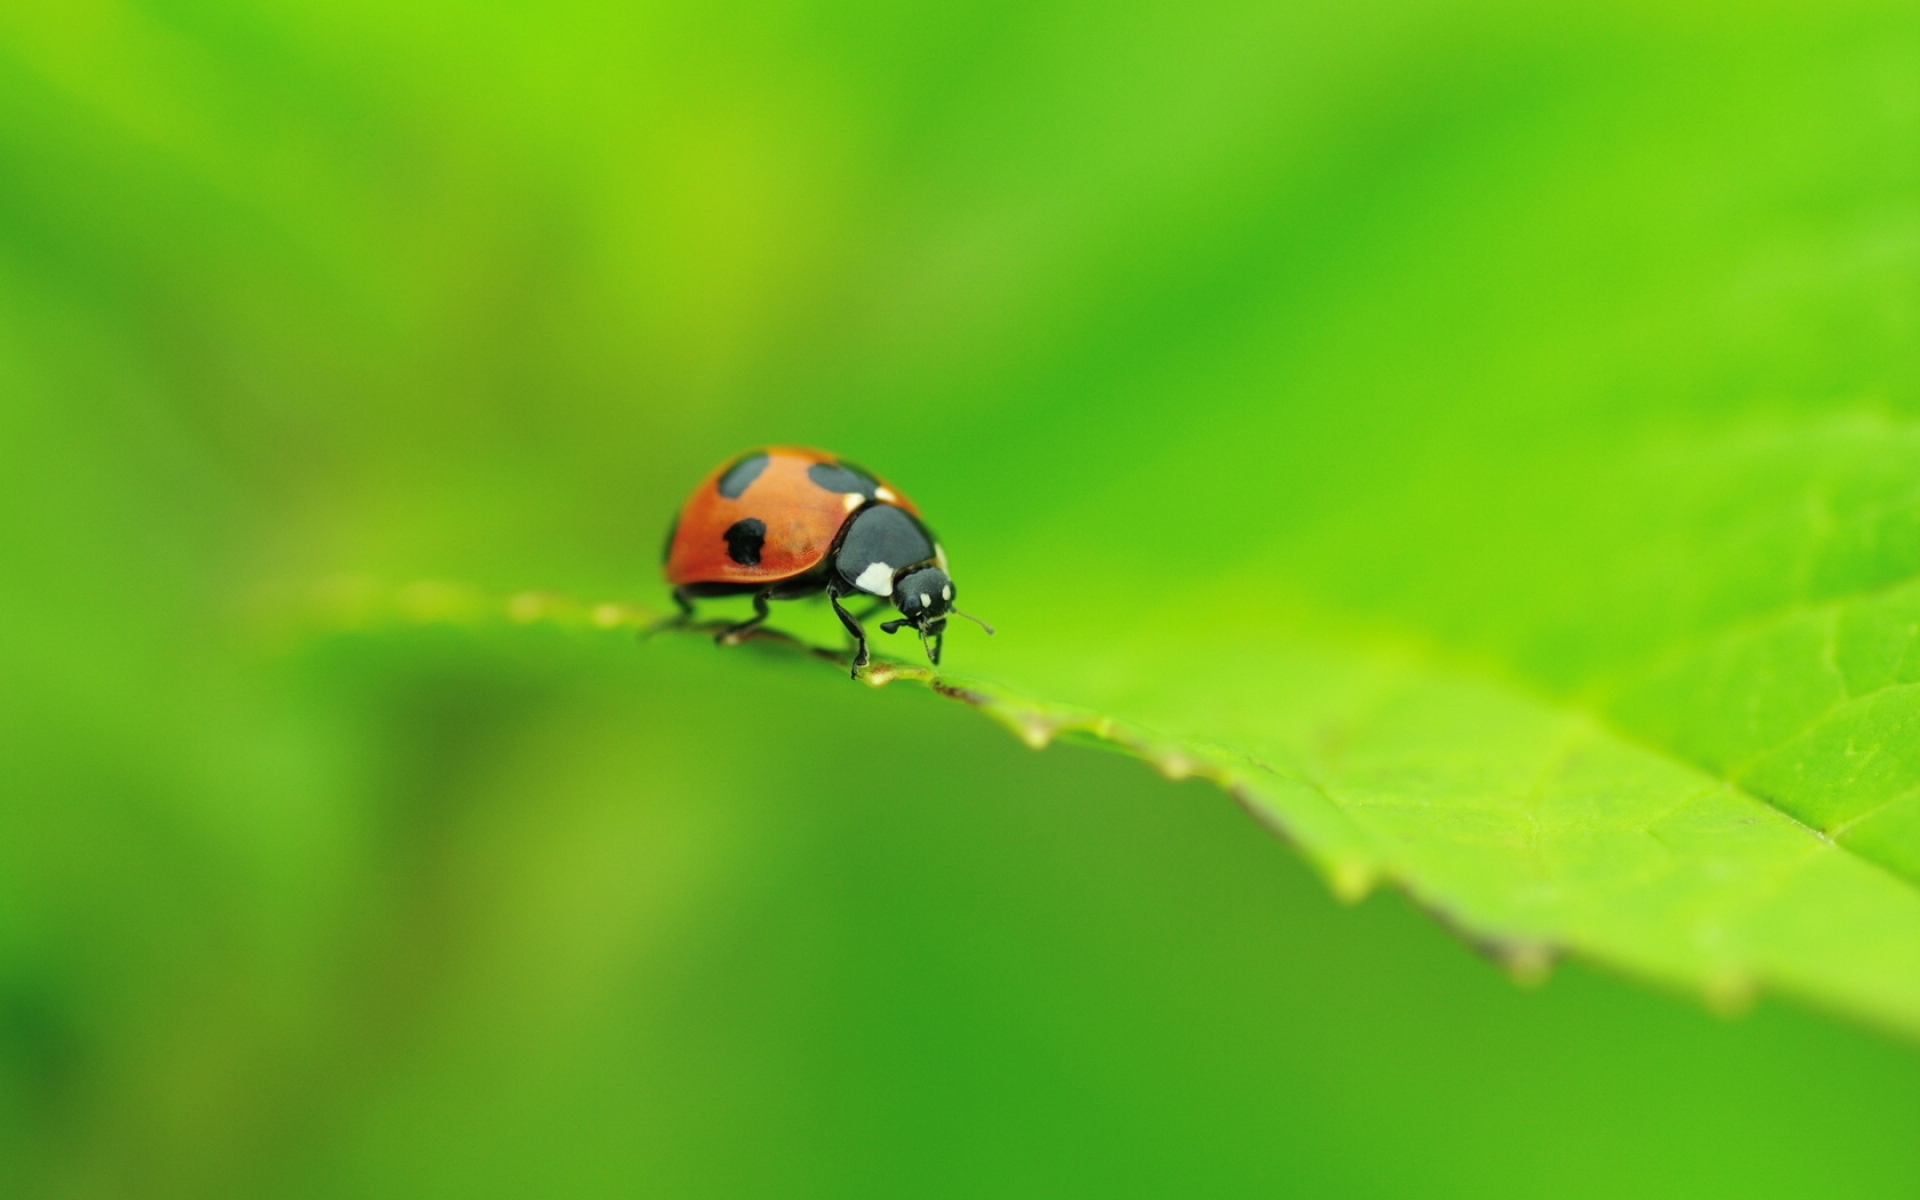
{"x": 924, "y": 598}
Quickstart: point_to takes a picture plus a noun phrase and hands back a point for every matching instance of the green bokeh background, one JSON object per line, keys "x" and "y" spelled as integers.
{"x": 1139, "y": 302}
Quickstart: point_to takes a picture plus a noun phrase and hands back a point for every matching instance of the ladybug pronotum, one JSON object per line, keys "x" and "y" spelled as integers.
{"x": 787, "y": 522}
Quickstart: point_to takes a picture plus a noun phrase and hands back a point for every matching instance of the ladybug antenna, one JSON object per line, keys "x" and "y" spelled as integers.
{"x": 974, "y": 619}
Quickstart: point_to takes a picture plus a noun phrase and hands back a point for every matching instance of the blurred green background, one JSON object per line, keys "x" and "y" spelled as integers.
{"x": 1139, "y": 302}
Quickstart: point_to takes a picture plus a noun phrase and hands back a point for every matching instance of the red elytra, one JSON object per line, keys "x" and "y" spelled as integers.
{"x": 802, "y": 518}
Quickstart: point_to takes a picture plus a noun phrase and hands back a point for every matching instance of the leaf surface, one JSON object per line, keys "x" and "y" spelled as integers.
{"x": 1533, "y": 826}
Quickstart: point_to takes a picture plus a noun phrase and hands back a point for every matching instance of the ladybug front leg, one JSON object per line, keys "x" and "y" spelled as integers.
{"x": 685, "y": 603}
{"x": 731, "y": 635}
{"x": 853, "y": 627}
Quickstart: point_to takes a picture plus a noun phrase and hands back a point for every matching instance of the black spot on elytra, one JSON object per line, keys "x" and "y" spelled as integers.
{"x": 740, "y": 476}
{"x": 744, "y": 541}
{"x": 842, "y": 478}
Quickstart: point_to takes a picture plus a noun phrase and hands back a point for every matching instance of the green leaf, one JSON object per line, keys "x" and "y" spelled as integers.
{"x": 1686, "y": 745}
{"x": 1532, "y": 825}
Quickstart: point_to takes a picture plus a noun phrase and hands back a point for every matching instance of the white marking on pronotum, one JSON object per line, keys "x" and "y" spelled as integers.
{"x": 853, "y": 500}
{"x": 940, "y": 556}
{"x": 926, "y": 601}
{"x": 884, "y": 495}
{"x": 877, "y": 578}
{"x": 946, "y": 593}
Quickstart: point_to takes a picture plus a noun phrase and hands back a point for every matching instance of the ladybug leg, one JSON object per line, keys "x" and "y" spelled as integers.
{"x": 853, "y": 627}
{"x": 731, "y": 635}
{"x": 684, "y": 603}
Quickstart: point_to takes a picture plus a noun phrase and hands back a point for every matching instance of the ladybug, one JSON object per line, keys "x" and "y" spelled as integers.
{"x": 786, "y": 522}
